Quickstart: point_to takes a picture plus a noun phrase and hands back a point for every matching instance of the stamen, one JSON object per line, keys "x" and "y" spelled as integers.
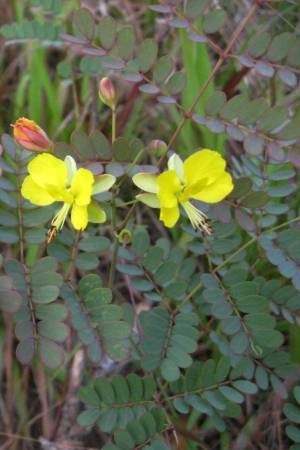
{"x": 198, "y": 219}
{"x": 59, "y": 219}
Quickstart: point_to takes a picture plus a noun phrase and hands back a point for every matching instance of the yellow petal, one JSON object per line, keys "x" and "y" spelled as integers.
{"x": 204, "y": 164}
{"x": 79, "y": 217}
{"x": 169, "y": 186}
{"x": 216, "y": 191}
{"x": 103, "y": 183}
{"x": 47, "y": 170}
{"x": 146, "y": 181}
{"x": 96, "y": 213}
{"x": 149, "y": 200}
{"x": 82, "y": 186}
{"x": 169, "y": 216}
{"x": 35, "y": 194}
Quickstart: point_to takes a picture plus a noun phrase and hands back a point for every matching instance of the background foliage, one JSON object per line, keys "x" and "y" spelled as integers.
{"x": 128, "y": 336}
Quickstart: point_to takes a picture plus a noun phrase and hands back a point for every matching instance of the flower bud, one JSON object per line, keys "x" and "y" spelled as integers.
{"x": 30, "y": 136}
{"x": 158, "y": 146}
{"x": 107, "y": 92}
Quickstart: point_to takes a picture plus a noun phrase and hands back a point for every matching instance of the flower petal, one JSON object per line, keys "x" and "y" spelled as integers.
{"x": 216, "y": 191}
{"x": 35, "y": 194}
{"x": 149, "y": 200}
{"x": 203, "y": 164}
{"x": 82, "y": 186}
{"x": 146, "y": 181}
{"x": 103, "y": 183}
{"x": 169, "y": 186}
{"x": 176, "y": 163}
{"x": 96, "y": 213}
{"x": 71, "y": 168}
{"x": 169, "y": 216}
{"x": 79, "y": 217}
{"x": 47, "y": 170}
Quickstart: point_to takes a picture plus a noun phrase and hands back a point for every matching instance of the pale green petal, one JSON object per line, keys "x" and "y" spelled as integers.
{"x": 176, "y": 163}
{"x": 96, "y": 213}
{"x": 82, "y": 186}
{"x": 103, "y": 183}
{"x": 146, "y": 181}
{"x": 35, "y": 194}
{"x": 149, "y": 200}
{"x": 216, "y": 191}
{"x": 71, "y": 168}
{"x": 169, "y": 216}
{"x": 79, "y": 217}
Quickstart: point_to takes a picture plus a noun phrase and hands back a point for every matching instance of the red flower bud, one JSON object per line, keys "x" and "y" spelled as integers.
{"x": 30, "y": 136}
{"x": 107, "y": 92}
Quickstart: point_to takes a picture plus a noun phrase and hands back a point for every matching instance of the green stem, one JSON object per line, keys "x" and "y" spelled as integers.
{"x": 113, "y": 124}
{"x": 113, "y": 263}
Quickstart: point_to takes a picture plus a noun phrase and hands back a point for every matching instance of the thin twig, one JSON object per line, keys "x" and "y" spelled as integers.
{"x": 216, "y": 68}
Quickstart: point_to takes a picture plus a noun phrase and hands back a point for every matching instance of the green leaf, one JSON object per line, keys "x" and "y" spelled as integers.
{"x": 272, "y": 119}
{"x": 121, "y": 389}
{"x": 252, "y": 303}
{"x": 50, "y": 353}
{"x": 214, "y": 20}
{"x": 176, "y": 83}
{"x": 291, "y": 130}
{"x": 106, "y": 31}
{"x": 233, "y": 107}
{"x": 247, "y": 387}
{"x": 269, "y": 338}
{"x": 101, "y": 145}
{"x": 84, "y": 21}
{"x": 231, "y": 394}
{"x": 258, "y": 44}
{"x": 94, "y": 244}
{"x": 10, "y": 301}
{"x": 56, "y": 331}
{"x": 140, "y": 241}
{"x": 88, "y": 417}
{"x": 86, "y": 261}
{"x": 105, "y": 391}
{"x": 44, "y": 294}
{"x": 121, "y": 149}
{"x": 8, "y": 236}
{"x": 280, "y": 46}
{"x": 293, "y": 433}
{"x": 194, "y": 8}
{"x": 214, "y": 103}
{"x": 126, "y": 42}
{"x": 51, "y": 312}
{"x": 255, "y": 200}
{"x": 124, "y": 440}
{"x": 162, "y": 69}
{"x": 292, "y": 412}
{"x": 147, "y": 54}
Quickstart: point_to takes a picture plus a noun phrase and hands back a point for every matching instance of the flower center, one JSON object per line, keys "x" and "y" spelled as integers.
{"x": 60, "y": 218}
{"x": 198, "y": 219}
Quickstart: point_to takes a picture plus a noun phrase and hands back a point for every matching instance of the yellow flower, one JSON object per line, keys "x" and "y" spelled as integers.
{"x": 201, "y": 176}
{"x": 30, "y": 136}
{"x": 52, "y": 180}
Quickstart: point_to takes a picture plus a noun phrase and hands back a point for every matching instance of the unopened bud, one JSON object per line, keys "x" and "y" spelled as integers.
{"x": 107, "y": 92}
{"x": 30, "y": 136}
{"x": 125, "y": 237}
{"x": 158, "y": 146}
